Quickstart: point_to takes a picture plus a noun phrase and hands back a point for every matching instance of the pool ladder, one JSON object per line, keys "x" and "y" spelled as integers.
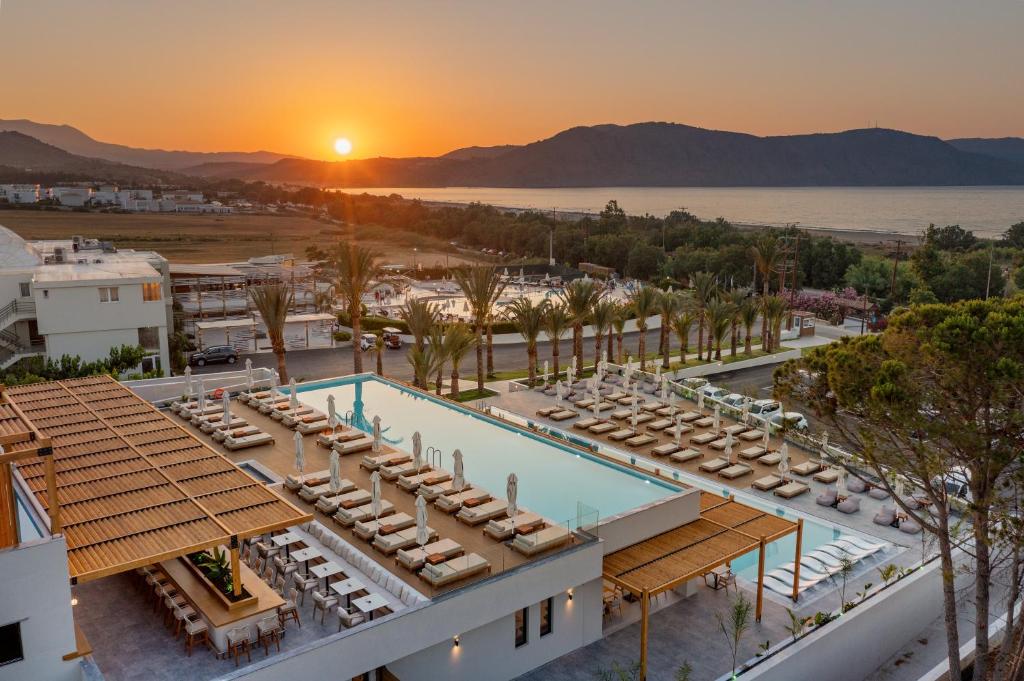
{"x": 434, "y": 457}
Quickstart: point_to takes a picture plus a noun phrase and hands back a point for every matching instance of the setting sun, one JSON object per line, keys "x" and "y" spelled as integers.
{"x": 343, "y": 146}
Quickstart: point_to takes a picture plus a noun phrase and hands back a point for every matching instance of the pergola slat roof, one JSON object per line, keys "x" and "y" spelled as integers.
{"x": 132, "y": 486}
{"x": 726, "y": 530}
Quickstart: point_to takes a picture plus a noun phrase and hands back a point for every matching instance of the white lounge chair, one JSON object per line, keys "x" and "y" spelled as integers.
{"x": 372, "y": 462}
{"x": 213, "y": 426}
{"x": 454, "y": 569}
{"x": 524, "y": 523}
{"x": 432, "y": 492}
{"x": 293, "y": 419}
{"x": 295, "y": 482}
{"x": 220, "y": 435}
{"x": 410, "y": 483}
{"x": 310, "y": 427}
{"x": 346, "y": 517}
{"x": 366, "y": 529}
{"x": 450, "y": 503}
{"x": 474, "y": 515}
{"x": 414, "y": 559}
{"x": 397, "y": 470}
{"x": 255, "y": 440}
{"x": 403, "y": 539}
{"x": 543, "y": 540}
{"x": 325, "y": 439}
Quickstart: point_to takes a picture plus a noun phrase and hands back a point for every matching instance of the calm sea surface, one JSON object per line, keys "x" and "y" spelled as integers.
{"x": 986, "y": 210}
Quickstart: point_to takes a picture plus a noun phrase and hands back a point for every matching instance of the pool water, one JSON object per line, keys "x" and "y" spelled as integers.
{"x": 553, "y": 480}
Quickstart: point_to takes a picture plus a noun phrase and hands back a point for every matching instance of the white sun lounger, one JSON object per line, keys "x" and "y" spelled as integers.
{"x": 563, "y": 415}
{"x": 523, "y": 523}
{"x": 414, "y": 559}
{"x": 281, "y": 403}
{"x": 601, "y": 428}
{"x": 295, "y": 482}
{"x": 660, "y": 424}
{"x": 641, "y": 440}
{"x": 311, "y": 493}
{"x": 260, "y": 438}
{"x": 688, "y": 454}
{"x": 474, "y": 515}
{"x": 393, "y": 471}
{"x": 620, "y": 414}
{"x": 454, "y": 569}
{"x": 346, "y": 517}
{"x": 213, "y": 426}
{"x": 410, "y": 483}
{"x": 718, "y": 444}
{"x": 310, "y": 427}
{"x": 583, "y": 424}
{"x": 219, "y": 435}
{"x": 752, "y": 453}
{"x": 357, "y": 497}
{"x": 689, "y": 416}
{"x": 365, "y": 529}
{"x": 432, "y": 492}
{"x": 714, "y": 465}
{"x": 293, "y": 419}
{"x": 295, "y": 414}
{"x": 188, "y": 413}
{"x": 346, "y": 435}
{"x": 372, "y": 463}
{"x": 403, "y": 539}
{"x": 703, "y": 438}
{"x": 543, "y": 540}
{"x": 450, "y": 503}
{"x": 198, "y": 419}
{"x": 622, "y": 434}
{"x": 666, "y": 449}
{"x": 734, "y": 430}
{"x": 751, "y": 435}
{"x": 653, "y": 406}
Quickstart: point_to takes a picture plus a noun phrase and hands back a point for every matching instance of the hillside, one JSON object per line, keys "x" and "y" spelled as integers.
{"x": 77, "y": 142}
{"x": 667, "y": 154}
{"x": 1008, "y": 148}
{"x": 23, "y": 154}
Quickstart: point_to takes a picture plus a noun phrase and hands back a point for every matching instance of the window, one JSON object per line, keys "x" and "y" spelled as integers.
{"x": 26, "y": 289}
{"x": 150, "y": 292}
{"x": 10, "y": 644}
{"x": 108, "y": 294}
{"x": 149, "y": 337}
{"x": 522, "y": 620}
{"x": 546, "y": 608}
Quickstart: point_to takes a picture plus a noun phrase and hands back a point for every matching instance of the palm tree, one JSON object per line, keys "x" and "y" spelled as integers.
{"x": 458, "y": 340}
{"x": 644, "y": 303}
{"x": 669, "y": 305}
{"x": 323, "y": 300}
{"x": 357, "y": 267}
{"x": 748, "y": 315}
{"x": 273, "y": 302}
{"x": 579, "y": 298}
{"x": 556, "y": 321}
{"x": 378, "y": 349}
{"x": 736, "y": 299}
{"x": 766, "y": 252}
{"x": 529, "y": 321}
{"x": 424, "y": 363}
{"x": 773, "y": 311}
{"x": 435, "y": 340}
{"x": 681, "y": 325}
{"x": 602, "y": 318}
{"x": 718, "y": 313}
{"x": 619, "y": 324}
{"x": 705, "y": 287}
{"x": 482, "y": 288}
{"x": 419, "y": 316}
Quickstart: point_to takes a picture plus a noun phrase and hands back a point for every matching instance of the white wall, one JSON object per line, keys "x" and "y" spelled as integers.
{"x": 618, "y": 532}
{"x": 89, "y": 345}
{"x": 78, "y": 308}
{"x": 35, "y": 591}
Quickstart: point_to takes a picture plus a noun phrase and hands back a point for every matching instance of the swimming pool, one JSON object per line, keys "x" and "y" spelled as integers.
{"x": 553, "y": 480}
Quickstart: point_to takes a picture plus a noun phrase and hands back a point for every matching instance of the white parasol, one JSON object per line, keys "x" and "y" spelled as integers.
{"x": 459, "y": 481}
{"x": 824, "y": 443}
{"x": 672, "y": 401}
{"x": 766, "y": 440}
{"x": 678, "y": 437}
{"x": 225, "y": 418}
{"x": 558, "y": 393}
{"x": 332, "y": 411}
{"x": 657, "y": 372}
{"x": 841, "y": 484}
{"x": 635, "y": 409}
{"x": 664, "y": 388}
{"x": 375, "y": 501}
{"x": 293, "y": 401}
{"x": 700, "y": 403}
{"x": 784, "y": 461}
{"x": 335, "y": 471}
{"x": 300, "y": 454}
{"x": 376, "y": 434}
{"x": 248, "y": 373}
{"x": 273, "y": 381}
{"x": 511, "y": 491}
{"x": 729, "y": 442}
{"x": 417, "y": 451}
{"x": 718, "y": 418}
{"x": 545, "y": 372}
{"x": 188, "y": 381}
{"x": 422, "y": 536}
{"x": 745, "y": 414}
{"x": 202, "y": 396}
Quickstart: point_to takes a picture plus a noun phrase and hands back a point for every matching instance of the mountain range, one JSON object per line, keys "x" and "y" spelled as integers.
{"x": 642, "y": 154}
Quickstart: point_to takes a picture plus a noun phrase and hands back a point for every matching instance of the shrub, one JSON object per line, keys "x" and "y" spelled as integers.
{"x": 342, "y": 336}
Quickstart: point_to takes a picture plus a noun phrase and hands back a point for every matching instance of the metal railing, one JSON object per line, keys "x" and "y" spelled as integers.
{"x": 14, "y": 309}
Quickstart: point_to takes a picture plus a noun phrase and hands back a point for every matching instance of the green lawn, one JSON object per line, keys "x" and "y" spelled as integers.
{"x": 474, "y": 394}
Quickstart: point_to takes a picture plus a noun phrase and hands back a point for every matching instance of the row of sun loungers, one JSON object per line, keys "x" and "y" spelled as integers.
{"x": 821, "y": 564}
{"x": 235, "y": 434}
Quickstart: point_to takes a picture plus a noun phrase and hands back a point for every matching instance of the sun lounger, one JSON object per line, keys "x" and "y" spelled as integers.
{"x": 403, "y": 539}
{"x": 414, "y": 559}
{"x": 246, "y": 396}
{"x": 791, "y": 489}
{"x": 329, "y": 502}
{"x": 346, "y": 517}
{"x": 704, "y": 422}
{"x": 604, "y": 406}
{"x": 410, "y": 483}
{"x": 616, "y": 396}
{"x": 366, "y": 529}
{"x": 688, "y": 454}
{"x": 213, "y": 426}
{"x": 622, "y": 434}
{"x": 653, "y": 406}
{"x": 432, "y": 492}
{"x": 620, "y": 414}
{"x": 177, "y": 406}
{"x": 188, "y": 413}
{"x": 266, "y": 406}
{"x": 614, "y": 379}
{"x": 583, "y": 424}
{"x": 860, "y": 543}
{"x": 543, "y": 540}
{"x": 751, "y": 435}
{"x": 310, "y": 427}
{"x": 220, "y": 435}
{"x": 563, "y": 415}
{"x": 294, "y": 482}
{"x": 752, "y": 453}
{"x": 666, "y": 449}
{"x": 450, "y": 503}
{"x": 737, "y": 470}
{"x": 849, "y": 505}
{"x": 474, "y": 515}
{"x": 772, "y": 459}
{"x": 629, "y": 400}
{"x": 255, "y": 440}
{"x": 394, "y": 471}
{"x": 682, "y": 428}
{"x": 660, "y": 424}
{"x": 703, "y": 438}
{"x": 585, "y": 403}
{"x": 734, "y": 430}
{"x": 547, "y": 411}
{"x": 641, "y": 440}
{"x": 827, "y": 476}
{"x": 372, "y": 462}
{"x": 715, "y": 465}
{"x": 311, "y": 493}
{"x": 806, "y": 468}
{"x": 327, "y": 439}
{"x": 767, "y": 483}
{"x": 294, "y": 418}
{"x": 293, "y": 413}
{"x": 642, "y": 417}
{"x": 197, "y": 419}
{"x": 667, "y": 411}
{"x": 524, "y": 523}
{"x": 718, "y": 444}
{"x": 786, "y": 578}
{"x": 455, "y": 569}
{"x": 602, "y": 428}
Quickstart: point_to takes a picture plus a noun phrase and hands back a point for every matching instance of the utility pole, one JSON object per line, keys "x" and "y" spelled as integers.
{"x": 895, "y": 265}
{"x": 551, "y": 240}
{"x": 991, "y": 255}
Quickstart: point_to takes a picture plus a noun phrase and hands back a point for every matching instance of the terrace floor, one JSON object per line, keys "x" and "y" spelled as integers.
{"x": 279, "y": 457}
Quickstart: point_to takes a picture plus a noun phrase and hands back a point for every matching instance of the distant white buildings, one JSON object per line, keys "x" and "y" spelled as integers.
{"x": 19, "y": 193}
{"x": 132, "y": 200}
{"x": 81, "y": 297}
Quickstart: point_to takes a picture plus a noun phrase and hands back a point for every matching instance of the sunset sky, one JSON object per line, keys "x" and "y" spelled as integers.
{"x": 405, "y": 79}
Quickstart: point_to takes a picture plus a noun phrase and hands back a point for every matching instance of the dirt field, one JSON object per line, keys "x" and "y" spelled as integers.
{"x": 221, "y": 238}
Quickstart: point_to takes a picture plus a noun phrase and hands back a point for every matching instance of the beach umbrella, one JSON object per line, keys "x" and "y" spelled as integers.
{"x": 824, "y": 443}
{"x": 718, "y": 418}
{"x": 545, "y": 372}
{"x": 293, "y": 401}
{"x": 226, "y": 401}
{"x": 766, "y": 440}
{"x": 558, "y": 393}
{"x": 783, "y": 461}
{"x": 841, "y": 484}
{"x": 459, "y": 480}
{"x": 657, "y": 372}
{"x": 678, "y": 436}
{"x": 595, "y": 394}
{"x": 672, "y": 401}
{"x": 273, "y": 381}
{"x": 332, "y": 411}
{"x": 629, "y": 363}
{"x": 729, "y": 442}
{"x": 376, "y": 434}
{"x": 511, "y": 491}
{"x": 335, "y": 471}
{"x": 375, "y": 501}
{"x": 417, "y": 451}
{"x": 700, "y": 403}
{"x": 505, "y": 272}
{"x": 572, "y": 364}
{"x": 248, "y": 373}
{"x": 300, "y": 454}
{"x": 899, "y": 488}
{"x": 636, "y": 412}
{"x": 202, "y": 396}
{"x": 422, "y": 536}
{"x": 636, "y": 391}
{"x": 745, "y": 414}
{"x": 188, "y": 381}
{"x": 664, "y": 388}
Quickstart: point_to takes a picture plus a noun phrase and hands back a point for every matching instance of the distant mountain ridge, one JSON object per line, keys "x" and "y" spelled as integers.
{"x": 75, "y": 141}
{"x": 666, "y": 155}
{"x": 27, "y": 156}
{"x": 1009, "y": 148}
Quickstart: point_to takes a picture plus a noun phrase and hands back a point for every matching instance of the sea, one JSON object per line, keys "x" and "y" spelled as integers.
{"x": 987, "y": 211}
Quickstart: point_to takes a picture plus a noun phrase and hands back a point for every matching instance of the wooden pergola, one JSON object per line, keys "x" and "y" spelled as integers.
{"x": 725, "y": 530}
{"x": 127, "y": 486}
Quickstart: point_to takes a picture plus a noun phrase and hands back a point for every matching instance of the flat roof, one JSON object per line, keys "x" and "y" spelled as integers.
{"x": 72, "y": 272}
{"x": 249, "y": 321}
{"x": 201, "y": 270}
{"x": 133, "y": 487}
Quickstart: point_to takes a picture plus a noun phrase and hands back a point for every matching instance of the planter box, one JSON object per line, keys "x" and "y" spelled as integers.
{"x": 246, "y": 599}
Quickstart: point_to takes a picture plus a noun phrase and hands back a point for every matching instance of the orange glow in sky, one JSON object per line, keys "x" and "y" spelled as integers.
{"x": 423, "y": 78}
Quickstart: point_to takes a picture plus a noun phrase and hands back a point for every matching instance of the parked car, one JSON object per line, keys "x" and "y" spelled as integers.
{"x": 736, "y": 400}
{"x": 215, "y": 354}
{"x": 367, "y": 341}
{"x": 714, "y": 392}
{"x": 793, "y": 419}
{"x": 392, "y": 338}
{"x": 765, "y": 408}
